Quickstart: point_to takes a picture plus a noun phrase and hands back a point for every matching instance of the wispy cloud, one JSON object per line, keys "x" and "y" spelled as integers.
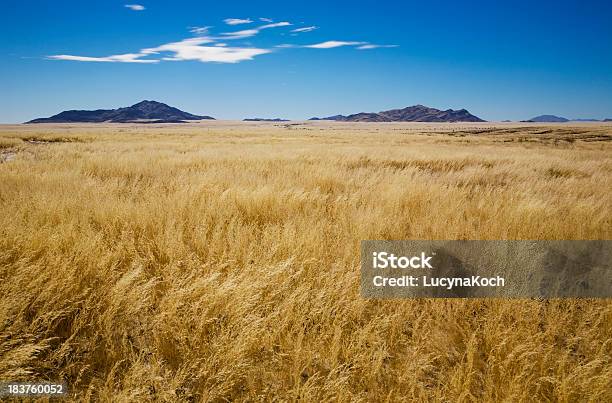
{"x": 199, "y": 30}
{"x": 262, "y": 19}
{"x": 334, "y": 44}
{"x": 208, "y": 48}
{"x": 237, "y": 21}
{"x": 372, "y": 46}
{"x": 247, "y": 33}
{"x": 276, "y": 25}
{"x": 205, "y": 50}
{"x": 125, "y": 58}
{"x": 304, "y": 29}
{"x": 135, "y": 7}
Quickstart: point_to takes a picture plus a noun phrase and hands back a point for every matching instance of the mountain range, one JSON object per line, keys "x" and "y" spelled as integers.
{"x": 559, "y": 119}
{"x": 157, "y": 112}
{"x": 142, "y": 112}
{"x": 416, "y": 113}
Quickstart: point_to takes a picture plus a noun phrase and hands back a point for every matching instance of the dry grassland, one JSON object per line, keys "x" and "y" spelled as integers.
{"x": 220, "y": 261}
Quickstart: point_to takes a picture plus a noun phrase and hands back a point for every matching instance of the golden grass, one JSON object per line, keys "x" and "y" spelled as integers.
{"x": 220, "y": 261}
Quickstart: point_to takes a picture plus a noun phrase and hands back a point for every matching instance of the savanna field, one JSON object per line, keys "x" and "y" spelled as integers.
{"x": 220, "y": 261}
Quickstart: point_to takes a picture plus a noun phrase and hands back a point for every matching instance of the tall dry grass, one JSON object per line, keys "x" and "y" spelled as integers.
{"x": 221, "y": 262}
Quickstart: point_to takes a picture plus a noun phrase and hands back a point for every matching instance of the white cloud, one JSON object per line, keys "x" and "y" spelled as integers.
{"x": 305, "y": 29}
{"x": 372, "y": 46}
{"x": 358, "y": 45}
{"x": 247, "y": 33}
{"x": 218, "y": 54}
{"x": 135, "y": 7}
{"x": 237, "y": 21}
{"x": 203, "y": 49}
{"x": 265, "y": 19}
{"x": 199, "y": 30}
{"x": 192, "y": 49}
{"x": 200, "y": 40}
{"x": 207, "y": 48}
{"x": 275, "y": 25}
{"x": 334, "y": 44}
{"x": 125, "y": 58}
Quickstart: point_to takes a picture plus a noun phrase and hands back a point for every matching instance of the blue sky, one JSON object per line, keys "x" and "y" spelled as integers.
{"x": 500, "y": 60}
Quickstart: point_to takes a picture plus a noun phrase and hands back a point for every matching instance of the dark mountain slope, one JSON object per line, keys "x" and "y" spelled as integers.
{"x": 145, "y": 110}
{"x": 416, "y": 113}
{"x": 548, "y": 119}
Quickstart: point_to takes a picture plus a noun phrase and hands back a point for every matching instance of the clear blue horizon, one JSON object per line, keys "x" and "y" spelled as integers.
{"x": 277, "y": 59}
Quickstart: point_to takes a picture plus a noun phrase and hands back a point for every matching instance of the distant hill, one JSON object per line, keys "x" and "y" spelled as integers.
{"x": 265, "y": 120}
{"x": 335, "y": 117}
{"x": 548, "y": 119}
{"x": 142, "y": 112}
{"x": 416, "y": 113}
{"x": 607, "y": 120}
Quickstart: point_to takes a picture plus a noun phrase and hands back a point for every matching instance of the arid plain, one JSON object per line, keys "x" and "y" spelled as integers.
{"x": 220, "y": 261}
